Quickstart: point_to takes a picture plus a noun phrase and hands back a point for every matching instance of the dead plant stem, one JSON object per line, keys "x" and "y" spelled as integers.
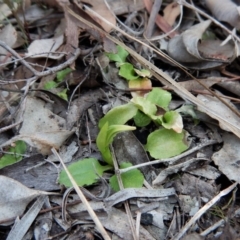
{"x": 169, "y": 160}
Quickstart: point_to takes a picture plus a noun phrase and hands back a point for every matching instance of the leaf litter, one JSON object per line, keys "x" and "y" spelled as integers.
{"x": 171, "y": 175}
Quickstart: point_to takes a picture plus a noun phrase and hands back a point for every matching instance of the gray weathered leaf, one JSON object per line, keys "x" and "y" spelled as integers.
{"x": 14, "y": 197}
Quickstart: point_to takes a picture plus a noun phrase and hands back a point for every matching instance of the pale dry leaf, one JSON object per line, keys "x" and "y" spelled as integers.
{"x": 231, "y": 86}
{"x": 42, "y": 47}
{"x": 160, "y": 21}
{"x": 5, "y": 11}
{"x": 117, "y": 222}
{"x": 227, "y": 11}
{"x": 8, "y": 35}
{"x": 221, "y": 109}
{"x": 120, "y": 7}
{"x": 20, "y": 228}
{"x": 171, "y": 12}
{"x": 72, "y": 33}
{"x": 100, "y": 7}
{"x": 14, "y": 197}
{"x": 213, "y": 50}
{"x": 33, "y": 13}
{"x": 195, "y": 85}
{"x": 41, "y": 128}
{"x": 188, "y": 48}
{"x": 227, "y": 158}
{"x": 192, "y": 36}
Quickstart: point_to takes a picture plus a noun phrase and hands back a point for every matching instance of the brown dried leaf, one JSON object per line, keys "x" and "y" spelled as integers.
{"x": 100, "y": 8}
{"x": 160, "y": 21}
{"x": 188, "y": 48}
{"x": 171, "y": 12}
{"x": 195, "y": 85}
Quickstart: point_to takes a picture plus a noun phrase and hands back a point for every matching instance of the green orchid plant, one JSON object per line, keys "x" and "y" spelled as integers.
{"x": 166, "y": 141}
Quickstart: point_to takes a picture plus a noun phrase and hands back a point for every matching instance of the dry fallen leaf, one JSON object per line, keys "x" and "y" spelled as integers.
{"x": 171, "y": 12}
{"x": 5, "y": 11}
{"x": 8, "y": 35}
{"x": 160, "y": 21}
{"x": 220, "y": 108}
{"x": 102, "y": 9}
{"x": 227, "y": 158}
{"x": 41, "y": 128}
{"x": 41, "y": 48}
{"x": 14, "y": 197}
{"x": 227, "y": 11}
{"x": 189, "y": 49}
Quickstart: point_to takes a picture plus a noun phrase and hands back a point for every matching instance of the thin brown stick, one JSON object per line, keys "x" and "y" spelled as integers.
{"x": 169, "y": 160}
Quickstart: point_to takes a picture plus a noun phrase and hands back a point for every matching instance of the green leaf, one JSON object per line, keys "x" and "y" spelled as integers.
{"x": 172, "y": 120}
{"x": 141, "y": 119}
{"x": 63, "y": 94}
{"x": 85, "y": 172}
{"x": 14, "y": 155}
{"x": 127, "y": 71}
{"x": 119, "y": 115}
{"x": 143, "y": 72}
{"x": 165, "y": 143}
{"x": 160, "y": 97}
{"x": 120, "y": 56}
{"x": 102, "y": 145}
{"x": 62, "y": 74}
{"x": 105, "y": 138}
{"x": 113, "y": 130}
{"x": 157, "y": 120}
{"x": 131, "y": 179}
{"x": 50, "y": 85}
{"x": 144, "y": 105}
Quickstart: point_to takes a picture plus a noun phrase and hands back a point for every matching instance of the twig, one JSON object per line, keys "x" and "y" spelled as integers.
{"x": 203, "y": 210}
{"x": 212, "y": 228}
{"x": 34, "y": 71}
{"x": 169, "y": 160}
{"x": 83, "y": 199}
{"x": 3, "y": 129}
{"x": 151, "y": 21}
